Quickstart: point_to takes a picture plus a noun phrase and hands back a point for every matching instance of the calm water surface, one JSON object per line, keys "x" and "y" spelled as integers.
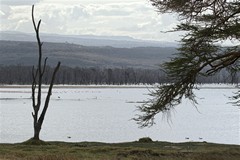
{"x": 104, "y": 114}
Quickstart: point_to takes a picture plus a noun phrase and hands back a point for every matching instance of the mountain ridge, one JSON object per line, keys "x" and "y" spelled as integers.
{"x": 74, "y": 55}
{"x": 86, "y": 40}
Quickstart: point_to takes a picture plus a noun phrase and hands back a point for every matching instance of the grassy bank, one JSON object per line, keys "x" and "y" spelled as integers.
{"x": 118, "y": 151}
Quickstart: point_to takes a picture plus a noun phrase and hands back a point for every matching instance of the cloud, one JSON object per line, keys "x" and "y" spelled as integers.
{"x": 134, "y": 18}
{"x": 19, "y": 2}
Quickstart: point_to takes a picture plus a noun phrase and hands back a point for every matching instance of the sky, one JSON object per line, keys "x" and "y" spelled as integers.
{"x": 133, "y": 18}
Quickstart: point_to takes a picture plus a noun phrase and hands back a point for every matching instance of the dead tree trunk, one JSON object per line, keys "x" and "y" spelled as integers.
{"x": 37, "y": 75}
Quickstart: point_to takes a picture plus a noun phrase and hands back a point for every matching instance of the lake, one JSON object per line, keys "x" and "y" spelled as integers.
{"x": 104, "y": 113}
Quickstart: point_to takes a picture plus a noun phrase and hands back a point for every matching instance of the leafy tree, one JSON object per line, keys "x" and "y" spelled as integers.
{"x": 207, "y": 25}
{"x": 37, "y": 75}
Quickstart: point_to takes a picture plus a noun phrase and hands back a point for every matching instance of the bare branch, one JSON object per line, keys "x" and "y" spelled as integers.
{"x": 223, "y": 62}
{"x": 33, "y": 115}
{"x": 44, "y": 66}
{"x": 33, "y": 20}
{"x": 39, "y": 22}
{"x": 33, "y": 88}
{"x": 41, "y": 118}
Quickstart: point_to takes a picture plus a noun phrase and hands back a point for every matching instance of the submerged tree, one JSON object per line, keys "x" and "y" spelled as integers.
{"x": 37, "y": 75}
{"x": 207, "y": 24}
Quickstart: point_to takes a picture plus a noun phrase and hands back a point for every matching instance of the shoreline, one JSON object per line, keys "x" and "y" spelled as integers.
{"x": 81, "y": 86}
{"x": 59, "y": 86}
{"x": 112, "y": 143}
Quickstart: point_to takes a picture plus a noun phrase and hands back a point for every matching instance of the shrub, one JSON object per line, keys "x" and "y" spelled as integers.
{"x": 145, "y": 140}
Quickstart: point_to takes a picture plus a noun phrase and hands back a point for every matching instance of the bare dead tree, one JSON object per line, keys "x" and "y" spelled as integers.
{"x": 37, "y": 75}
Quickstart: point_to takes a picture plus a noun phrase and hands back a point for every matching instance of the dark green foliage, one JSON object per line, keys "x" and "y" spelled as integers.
{"x": 207, "y": 24}
{"x": 113, "y": 76}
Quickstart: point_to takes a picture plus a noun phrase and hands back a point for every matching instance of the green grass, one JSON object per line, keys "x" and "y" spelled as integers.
{"x": 118, "y": 151}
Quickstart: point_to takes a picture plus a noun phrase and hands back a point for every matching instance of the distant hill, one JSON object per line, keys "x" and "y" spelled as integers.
{"x": 73, "y": 55}
{"x": 85, "y": 40}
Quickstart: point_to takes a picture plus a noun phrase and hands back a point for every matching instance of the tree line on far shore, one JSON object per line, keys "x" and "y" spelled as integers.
{"x": 116, "y": 76}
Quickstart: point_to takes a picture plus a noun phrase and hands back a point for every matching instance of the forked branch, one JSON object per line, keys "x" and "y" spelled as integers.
{"x": 37, "y": 82}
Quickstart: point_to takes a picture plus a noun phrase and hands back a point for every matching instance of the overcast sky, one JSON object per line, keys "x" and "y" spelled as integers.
{"x": 134, "y": 18}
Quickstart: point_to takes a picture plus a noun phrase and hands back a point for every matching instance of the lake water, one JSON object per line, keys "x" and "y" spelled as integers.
{"x": 104, "y": 114}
